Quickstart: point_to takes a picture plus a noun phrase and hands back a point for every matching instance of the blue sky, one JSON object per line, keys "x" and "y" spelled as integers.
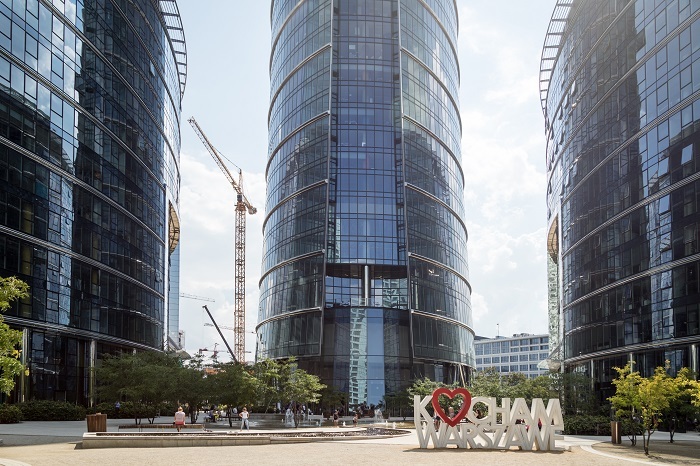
{"x": 503, "y": 147}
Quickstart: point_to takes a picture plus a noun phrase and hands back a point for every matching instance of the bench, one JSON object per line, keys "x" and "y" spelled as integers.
{"x": 159, "y": 427}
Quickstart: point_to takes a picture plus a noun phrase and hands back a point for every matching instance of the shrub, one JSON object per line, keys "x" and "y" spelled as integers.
{"x": 104, "y": 408}
{"x": 627, "y": 427}
{"x": 582, "y": 424}
{"x": 45, "y": 410}
{"x": 10, "y": 414}
{"x": 131, "y": 410}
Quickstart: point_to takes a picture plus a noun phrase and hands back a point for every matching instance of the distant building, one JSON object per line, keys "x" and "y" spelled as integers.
{"x": 522, "y": 353}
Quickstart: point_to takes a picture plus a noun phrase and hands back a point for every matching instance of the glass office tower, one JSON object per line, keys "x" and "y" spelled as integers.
{"x": 621, "y": 98}
{"x": 90, "y": 94}
{"x": 365, "y": 275}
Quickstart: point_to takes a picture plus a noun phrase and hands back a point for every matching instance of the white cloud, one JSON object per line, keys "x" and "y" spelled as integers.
{"x": 480, "y": 307}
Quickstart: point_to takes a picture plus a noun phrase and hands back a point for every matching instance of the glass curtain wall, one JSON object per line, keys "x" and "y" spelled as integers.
{"x": 90, "y": 95}
{"x": 364, "y": 271}
{"x": 622, "y": 111}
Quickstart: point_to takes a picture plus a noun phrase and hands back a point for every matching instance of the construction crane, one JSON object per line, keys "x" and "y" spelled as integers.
{"x": 198, "y": 298}
{"x": 233, "y": 356}
{"x": 224, "y": 327}
{"x": 243, "y": 206}
{"x": 215, "y": 351}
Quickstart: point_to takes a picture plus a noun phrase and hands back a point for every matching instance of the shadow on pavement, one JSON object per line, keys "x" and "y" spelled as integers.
{"x": 679, "y": 452}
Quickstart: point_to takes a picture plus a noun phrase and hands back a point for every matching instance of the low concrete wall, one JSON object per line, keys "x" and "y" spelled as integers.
{"x": 209, "y": 439}
{"x": 90, "y": 440}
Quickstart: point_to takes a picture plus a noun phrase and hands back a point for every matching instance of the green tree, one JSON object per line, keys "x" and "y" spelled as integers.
{"x": 233, "y": 385}
{"x": 626, "y": 402}
{"x": 487, "y": 383}
{"x": 191, "y": 384}
{"x": 575, "y": 392}
{"x": 645, "y": 399}
{"x": 424, "y": 387}
{"x": 515, "y": 385}
{"x": 268, "y": 374}
{"x": 11, "y": 288}
{"x": 401, "y": 401}
{"x": 331, "y": 398}
{"x": 146, "y": 379}
{"x": 542, "y": 386}
{"x": 680, "y": 405}
{"x": 695, "y": 394}
{"x": 655, "y": 395}
{"x": 299, "y": 387}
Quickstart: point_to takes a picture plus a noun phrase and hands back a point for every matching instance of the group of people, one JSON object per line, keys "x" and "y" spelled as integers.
{"x": 244, "y": 415}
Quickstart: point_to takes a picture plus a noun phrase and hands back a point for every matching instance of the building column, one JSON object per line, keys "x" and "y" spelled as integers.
{"x": 366, "y": 282}
{"x": 23, "y": 378}
{"x": 91, "y": 380}
{"x": 694, "y": 363}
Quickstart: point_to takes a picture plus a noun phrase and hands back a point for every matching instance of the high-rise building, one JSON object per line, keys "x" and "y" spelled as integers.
{"x": 90, "y": 94}
{"x": 522, "y": 353}
{"x": 620, "y": 90}
{"x": 365, "y": 275}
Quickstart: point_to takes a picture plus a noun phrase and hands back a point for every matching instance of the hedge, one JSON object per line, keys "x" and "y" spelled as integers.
{"x": 10, "y": 414}
{"x": 582, "y": 424}
{"x": 45, "y": 410}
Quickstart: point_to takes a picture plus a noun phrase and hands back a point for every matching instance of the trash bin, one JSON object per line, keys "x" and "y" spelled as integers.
{"x": 96, "y": 422}
{"x": 615, "y": 432}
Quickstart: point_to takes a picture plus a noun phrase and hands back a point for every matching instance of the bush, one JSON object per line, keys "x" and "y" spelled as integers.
{"x": 45, "y": 410}
{"x": 627, "y": 427}
{"x": 131, "y": 410}
{"x": 104, "y": 408}
{"x": 10, "y": 414}
{"x": 582, "y": 424}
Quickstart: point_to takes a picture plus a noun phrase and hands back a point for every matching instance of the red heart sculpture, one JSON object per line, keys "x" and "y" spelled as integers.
{"x": 451, "y": 394}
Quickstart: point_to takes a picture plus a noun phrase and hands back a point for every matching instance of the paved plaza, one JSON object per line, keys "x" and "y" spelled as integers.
{"x": 58, "y": 443}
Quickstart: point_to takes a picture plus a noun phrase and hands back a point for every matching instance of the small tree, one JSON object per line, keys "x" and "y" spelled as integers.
{"x": 11, "y": 289}
{"x": 680, "y": 406}
{"x": 645, "y": 399}
{"x": 424, "y": 387}
{"x": 233, "y": 386}
{"x": 695, "y": 395}
{"x": 331, "y": 398}
{"x": 575, "y": 392}
{"x": 145, "y": 378}
{"x": 298, "y": 387}
{"x": 191, "y": 385}
{"x": 400, "y": 401}
{"x": 655, "y": 394}
{"x": 626, "y": 401}
{"x": 488, "y": 383}
{"x": 268, "y": 373}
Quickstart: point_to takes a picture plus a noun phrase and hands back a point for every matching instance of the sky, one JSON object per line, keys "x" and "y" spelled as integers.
{"x": 503, "y": 158}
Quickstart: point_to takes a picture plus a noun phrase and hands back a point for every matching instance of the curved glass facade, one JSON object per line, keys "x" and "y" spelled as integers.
{"x": 621, "y": 98}
{"x": 365, "y": 276}
{"x": 90, "y": 94}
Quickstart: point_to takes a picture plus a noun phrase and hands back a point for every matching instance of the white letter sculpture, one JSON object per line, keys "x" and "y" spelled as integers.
{"x": 502, "y": 427}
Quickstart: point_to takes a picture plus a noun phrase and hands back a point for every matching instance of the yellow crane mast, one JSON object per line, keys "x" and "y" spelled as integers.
{"x": 243, "y": 206}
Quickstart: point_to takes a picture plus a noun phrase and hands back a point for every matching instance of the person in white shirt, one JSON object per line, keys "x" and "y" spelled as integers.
{"x": 179, "y": 418}
{"x": 244, "y": 415}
